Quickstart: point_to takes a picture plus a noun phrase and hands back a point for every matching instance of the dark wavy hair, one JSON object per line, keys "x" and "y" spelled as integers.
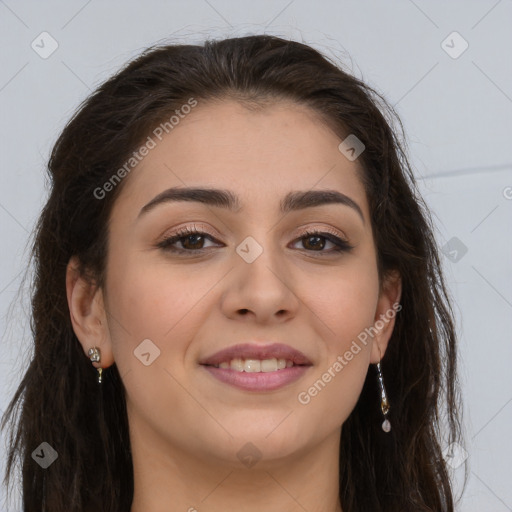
{"x": 87, "y": 424}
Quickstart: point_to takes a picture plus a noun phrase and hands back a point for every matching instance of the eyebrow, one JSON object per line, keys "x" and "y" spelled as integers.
{"x": 220, "y": 198}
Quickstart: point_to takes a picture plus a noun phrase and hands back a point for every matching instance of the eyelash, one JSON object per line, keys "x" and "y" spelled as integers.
{"x": 340, "y": 244}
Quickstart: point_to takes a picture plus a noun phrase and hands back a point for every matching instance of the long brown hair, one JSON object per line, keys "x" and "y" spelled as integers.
{"x": 87, "y": 424}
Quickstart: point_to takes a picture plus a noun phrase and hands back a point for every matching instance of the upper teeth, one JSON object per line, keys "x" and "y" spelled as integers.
{"x": 255, "y": 365}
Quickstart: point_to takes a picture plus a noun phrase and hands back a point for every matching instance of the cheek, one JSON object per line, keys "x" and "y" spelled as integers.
{"x": 346, "y": 300}
{"x": 148, "y": 302}
{"x": 347, "y": 307}
{"x": 160, "y": 304}
{"x": 152, "y": 299}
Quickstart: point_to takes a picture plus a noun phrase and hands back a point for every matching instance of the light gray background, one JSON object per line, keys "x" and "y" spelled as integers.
{"x": 456, "y": 112}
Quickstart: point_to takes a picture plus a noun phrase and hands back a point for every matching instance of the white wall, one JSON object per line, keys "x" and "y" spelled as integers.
{"x": 457, "y": 113}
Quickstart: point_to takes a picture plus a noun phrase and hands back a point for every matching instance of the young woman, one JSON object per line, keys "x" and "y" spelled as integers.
{"x": 238, "y": 302}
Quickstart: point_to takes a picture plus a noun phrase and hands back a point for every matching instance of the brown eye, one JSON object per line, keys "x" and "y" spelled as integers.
{"x": 191, "y": 241}
{"x": 316, "y": 241}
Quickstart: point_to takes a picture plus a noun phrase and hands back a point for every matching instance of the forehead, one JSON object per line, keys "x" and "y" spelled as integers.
{"x": 259, "y": 154}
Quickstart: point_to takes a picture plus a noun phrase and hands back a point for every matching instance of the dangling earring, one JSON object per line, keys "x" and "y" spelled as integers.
{"x": 94, "y": 356}
{"x": 384, "y": 404}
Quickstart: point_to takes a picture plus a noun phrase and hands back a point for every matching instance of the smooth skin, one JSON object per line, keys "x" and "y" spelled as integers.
{"x": 186, "y": 427}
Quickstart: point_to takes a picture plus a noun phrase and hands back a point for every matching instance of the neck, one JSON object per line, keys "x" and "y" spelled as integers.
{"x": 166, "y": 476}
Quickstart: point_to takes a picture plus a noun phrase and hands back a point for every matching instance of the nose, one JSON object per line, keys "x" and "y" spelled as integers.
{"x": 261, "y": 291}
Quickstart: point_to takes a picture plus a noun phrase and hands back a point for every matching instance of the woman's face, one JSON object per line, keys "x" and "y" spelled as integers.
{"x": 253, "y": 276}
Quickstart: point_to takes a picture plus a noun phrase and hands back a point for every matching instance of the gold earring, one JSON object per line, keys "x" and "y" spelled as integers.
{"x": 95, "y": 357}
{"x": 384, "y": 403}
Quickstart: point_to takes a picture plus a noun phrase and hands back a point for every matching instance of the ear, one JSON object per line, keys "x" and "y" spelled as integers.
{"x": 387, "y": 308}
{"x": 88, "y": 315}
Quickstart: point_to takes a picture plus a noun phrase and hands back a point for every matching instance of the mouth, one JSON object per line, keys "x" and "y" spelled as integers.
{"x": 255, "y": 365}
{"x": 257, "y": 368}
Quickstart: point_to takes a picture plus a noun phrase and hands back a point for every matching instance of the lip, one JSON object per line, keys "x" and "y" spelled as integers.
{"x": 252, "y": 351}
{"x": 257, "y": 381}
